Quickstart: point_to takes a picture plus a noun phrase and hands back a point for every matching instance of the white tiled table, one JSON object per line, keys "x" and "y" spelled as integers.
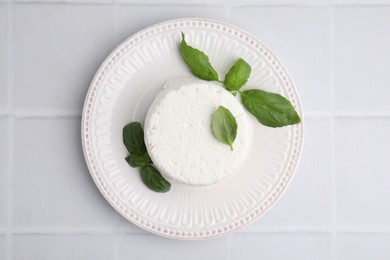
{"x": 338, "y": 204}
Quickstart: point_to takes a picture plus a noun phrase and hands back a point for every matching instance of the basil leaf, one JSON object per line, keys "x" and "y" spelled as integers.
{"x": 224, "y": 126}
{"x": 270, "y": 109}
{"x": 197, "y": 61}
{"x": 133, "y": 138}
{"x": 136, "y": 160}
{"x": 152, "y": 178}
{"x": 238, "y": 75}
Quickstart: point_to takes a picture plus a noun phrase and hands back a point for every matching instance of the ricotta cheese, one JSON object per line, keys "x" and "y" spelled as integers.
{"x": 178, "y": 132}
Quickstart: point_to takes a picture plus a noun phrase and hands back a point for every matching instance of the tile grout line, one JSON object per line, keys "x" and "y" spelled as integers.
{"x": 10, "y": 101}
{"x": 332, "y": 94}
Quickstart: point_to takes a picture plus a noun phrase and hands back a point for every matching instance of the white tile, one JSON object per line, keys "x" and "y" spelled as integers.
{"x": 3, "y": 170}
{"x": 280, "y": 246}
{"x": 3, "y": 55}
{"x": 134, "y": 18}
{"x": 299, "y": 36}
{"x": 47, "y": 247}
{"x": 360, "y": 2}
{"x": 362, "y": 172}
{"x": 58, "y": 49}
{"x": 363, "y": 246}
{"x": 307, "y": 201}
{"x": 174, "y": 3}
{"x": 362, "y": 54}
{"x": 228, "y": 2}
{"x": 150, "y": 247}
{"x": 3, "y": 247}
{"x": 281, "y": 2}
{"x": 52, "y": 186}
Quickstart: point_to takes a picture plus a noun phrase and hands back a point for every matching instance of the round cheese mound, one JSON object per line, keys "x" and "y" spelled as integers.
{"x": 178, "y": 132}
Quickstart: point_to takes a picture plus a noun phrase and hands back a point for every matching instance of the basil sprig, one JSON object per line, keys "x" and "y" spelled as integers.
{"x": 270, "y": 109}
{"x": 224, "y": 126}
{"x": 197, "y": 61}
{"x": 133, "y": 139}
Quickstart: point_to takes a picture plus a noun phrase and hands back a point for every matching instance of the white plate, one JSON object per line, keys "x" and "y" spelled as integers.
{"x": 122, "y": 91}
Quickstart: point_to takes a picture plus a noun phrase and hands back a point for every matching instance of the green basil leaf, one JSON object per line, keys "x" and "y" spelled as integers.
{"x": 197, "y": 61}
{"x": 270, "y": 109}
{"x": 152, "y": 178}
{"x": 136, "y": 160}
{"x": 238, "y": 75}
{"x": 224, "y": 126}
{"x": 133, "y": 138}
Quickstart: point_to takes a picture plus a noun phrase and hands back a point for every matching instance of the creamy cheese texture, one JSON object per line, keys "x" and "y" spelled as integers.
{"x": 178, "y": 132}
